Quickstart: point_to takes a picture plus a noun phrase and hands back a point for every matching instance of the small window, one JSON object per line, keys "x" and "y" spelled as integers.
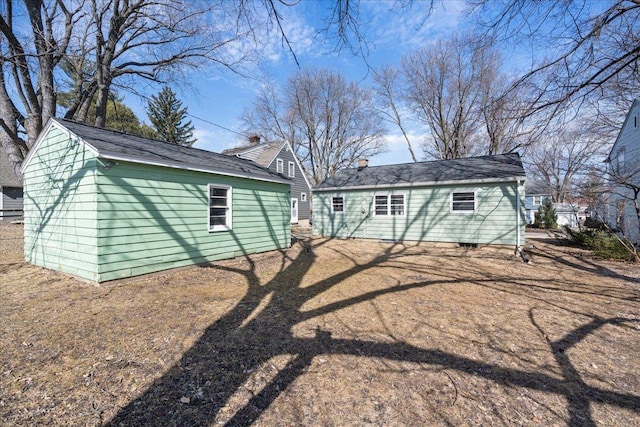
{"x": 391, "y": 204}
{"x": 463, "y": 201}
{"x": 219, "y": 208}
{"x": 279, "y": 166}
{"x": 381, "y": 205}
{"x": 292, "y": 170}
{"x": 303, "y": 197}
{"x": 337, "y": 204}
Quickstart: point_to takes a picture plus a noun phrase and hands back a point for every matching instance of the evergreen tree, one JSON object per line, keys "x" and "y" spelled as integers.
{"x": 168, "y": 118}
{"x": 547, "y": 217}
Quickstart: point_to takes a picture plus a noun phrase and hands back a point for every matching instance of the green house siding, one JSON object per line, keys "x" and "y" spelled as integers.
{"x": 153, "y": 218}
{"x": 427, "y": 215}
{"x": 60, "y": 206}
{"x": 106, "y": 222}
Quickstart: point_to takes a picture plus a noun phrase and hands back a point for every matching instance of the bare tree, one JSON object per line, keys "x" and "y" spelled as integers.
{"x": 447, "y": 84}
{"x": 330, "y": 122}
{"x": 102, "y": 42}
{"x": 564, "y": 157}
{"x": 389, "y": 101}
{"x": 590, "y": 47}
{"x": 27, "y": 61}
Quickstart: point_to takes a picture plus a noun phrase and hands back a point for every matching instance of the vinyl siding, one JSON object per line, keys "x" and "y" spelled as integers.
{"x": 298, "y": 185}
{"x": 153, "y": 218}
{"x": 427, "y": 215}
{"x": 11, "y": 204}
{"x": 629, "y": 140}
{"x": 60, "y": 206}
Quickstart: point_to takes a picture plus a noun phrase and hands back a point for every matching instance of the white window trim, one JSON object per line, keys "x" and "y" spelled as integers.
{"x": 303, "y": 197}
{"x": 343, "y": 204}
{"x": 229, "y": 216}
{"x": 467, "y": 212}
{"x": 279, "y": 166}
{"x": 292, "y": 170}
{"x": 388, "y": 196}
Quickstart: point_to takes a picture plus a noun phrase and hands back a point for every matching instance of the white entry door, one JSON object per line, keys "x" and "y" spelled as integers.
{"x": 294, "y": 211}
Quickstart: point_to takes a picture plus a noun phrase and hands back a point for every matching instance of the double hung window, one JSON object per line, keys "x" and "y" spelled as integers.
{"x": 389, "y": 205}
{"x": 220, "y": 208}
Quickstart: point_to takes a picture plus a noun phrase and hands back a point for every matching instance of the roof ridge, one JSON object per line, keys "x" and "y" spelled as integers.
{"x": 129, "y": 135}
{"x": 446, "y": 160}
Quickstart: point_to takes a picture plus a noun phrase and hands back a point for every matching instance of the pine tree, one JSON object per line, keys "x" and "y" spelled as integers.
{"x": 168, "y": 118}
{"x": 547, "y": 216}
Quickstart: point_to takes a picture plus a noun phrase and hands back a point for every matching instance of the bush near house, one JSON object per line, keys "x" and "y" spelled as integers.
{"x": 603, "y": 243}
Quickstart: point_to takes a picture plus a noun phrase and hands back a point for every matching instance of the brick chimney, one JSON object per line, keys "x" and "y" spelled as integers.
{"x": 362, "y": 163}
{"x": 254, "y": 139}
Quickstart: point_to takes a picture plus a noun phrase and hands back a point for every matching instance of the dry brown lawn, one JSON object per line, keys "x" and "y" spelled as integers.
{"x": 331, "y": 333}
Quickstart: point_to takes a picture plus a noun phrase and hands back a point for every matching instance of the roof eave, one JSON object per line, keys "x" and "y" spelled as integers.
{"x": 133, "y": 159}
{"x": 424, "y": 184}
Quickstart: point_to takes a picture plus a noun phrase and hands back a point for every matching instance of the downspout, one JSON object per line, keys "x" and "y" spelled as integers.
{"x": 518, "y": 246}
{"x": 518, "y": 219}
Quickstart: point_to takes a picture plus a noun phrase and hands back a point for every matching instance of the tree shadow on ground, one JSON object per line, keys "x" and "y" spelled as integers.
{"x": 260, "y": 327}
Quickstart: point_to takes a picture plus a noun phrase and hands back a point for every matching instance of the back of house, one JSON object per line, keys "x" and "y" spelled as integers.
{"x": 472, "y": 201}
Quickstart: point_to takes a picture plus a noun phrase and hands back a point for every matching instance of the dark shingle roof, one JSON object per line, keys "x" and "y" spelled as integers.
{"x": 8, "y": 178}
{"x": 263, "y": 154}
{"x": 120, "y": 146}
{"x": 498, "y": 168}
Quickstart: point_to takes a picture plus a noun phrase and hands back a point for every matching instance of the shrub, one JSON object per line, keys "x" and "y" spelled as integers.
{"x": 602, "y": 243}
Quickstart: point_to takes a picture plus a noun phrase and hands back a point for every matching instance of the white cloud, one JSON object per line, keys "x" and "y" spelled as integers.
{"x": 409, "y": 28}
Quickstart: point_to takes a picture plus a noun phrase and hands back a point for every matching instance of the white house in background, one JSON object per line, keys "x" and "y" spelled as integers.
{"x": 573, "y": 213}
{"x": 624, "y": 165}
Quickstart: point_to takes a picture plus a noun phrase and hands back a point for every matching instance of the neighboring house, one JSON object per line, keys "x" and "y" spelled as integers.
{"x": 472, "y": 201}
{"x": 534, "y": 199}
{"x": 10, "y": 190}
{"x": 567, "y": 214}
{"x": 624, "y": 166}
{"x": 104, "y": 205}
{"x": 279, "y": 157}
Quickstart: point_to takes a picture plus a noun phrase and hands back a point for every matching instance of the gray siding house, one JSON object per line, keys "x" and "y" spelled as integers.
{"x": 624, "y": 167}
{"x": 279, "y": 157}
{"x": 105, "y": 205}
{"x": 10, "y": 190}
{"x": 534, "y": 199}
{"x": 474, "y": 201}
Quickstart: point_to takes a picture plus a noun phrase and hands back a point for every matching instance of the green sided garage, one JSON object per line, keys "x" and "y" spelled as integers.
{"x": 104, "y": 205}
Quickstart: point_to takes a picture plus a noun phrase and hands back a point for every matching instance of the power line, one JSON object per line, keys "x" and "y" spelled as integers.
{"x": 216, "y": 125}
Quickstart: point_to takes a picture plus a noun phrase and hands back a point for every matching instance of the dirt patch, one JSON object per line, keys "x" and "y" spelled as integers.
{"x": 330, "y": 332}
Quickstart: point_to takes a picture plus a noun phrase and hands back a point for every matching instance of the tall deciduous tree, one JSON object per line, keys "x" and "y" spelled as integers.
{"x": 561, "y": 159}
{"x": 444, "y": 94}
{"x": 457, "y": 90}
{"x": 169, "y": 118}
{"x": 587, "y": 49}
{"x": 106, "y": 44}
{"x": 330, "y": 122}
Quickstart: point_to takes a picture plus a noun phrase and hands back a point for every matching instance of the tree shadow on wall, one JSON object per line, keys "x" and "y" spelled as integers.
{"x": 260, "y": 327}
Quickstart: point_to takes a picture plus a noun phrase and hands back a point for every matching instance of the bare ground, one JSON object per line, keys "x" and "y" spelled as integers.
{"x": 330, "y": 332}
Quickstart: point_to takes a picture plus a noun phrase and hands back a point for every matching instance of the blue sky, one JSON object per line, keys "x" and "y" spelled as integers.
{"x": 219, "y": 97}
